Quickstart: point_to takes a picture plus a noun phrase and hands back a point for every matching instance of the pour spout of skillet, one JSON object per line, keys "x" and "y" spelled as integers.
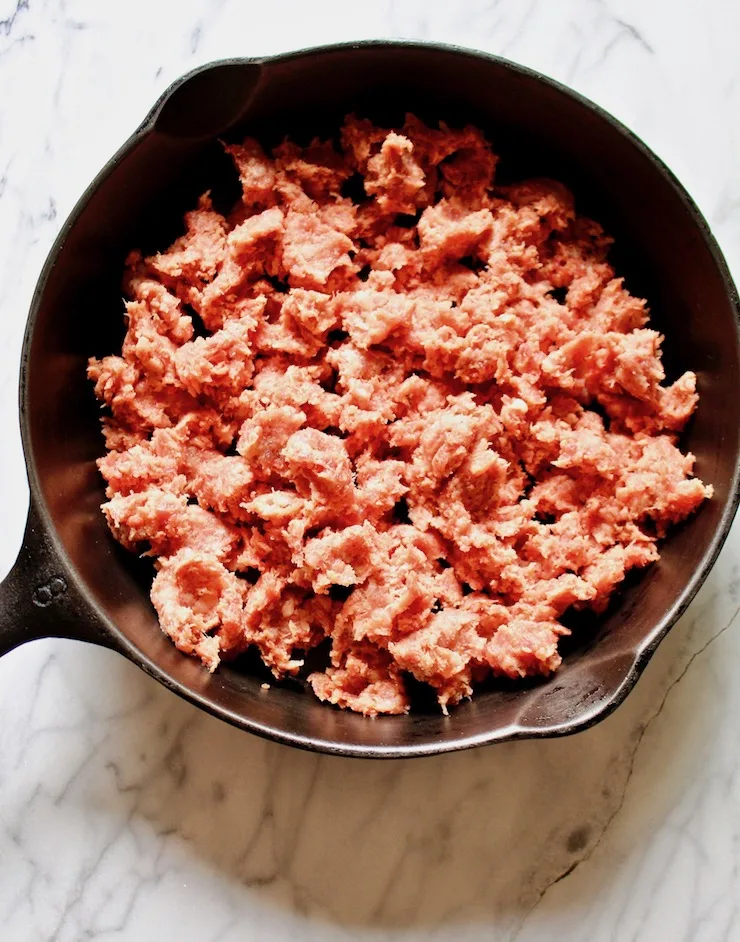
{"x": 207, "y": 102}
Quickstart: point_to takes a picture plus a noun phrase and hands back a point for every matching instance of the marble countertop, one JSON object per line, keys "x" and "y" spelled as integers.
{"x": 126, "y": 814}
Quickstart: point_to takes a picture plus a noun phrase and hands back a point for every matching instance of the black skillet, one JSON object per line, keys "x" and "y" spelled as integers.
{"x": 71, "y": 579}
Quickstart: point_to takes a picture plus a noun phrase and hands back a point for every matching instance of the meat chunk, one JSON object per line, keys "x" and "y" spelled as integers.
{"x": 390, "y": 403}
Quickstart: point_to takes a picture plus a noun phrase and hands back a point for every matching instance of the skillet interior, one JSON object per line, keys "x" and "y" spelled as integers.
{"x": 662, "y": 249}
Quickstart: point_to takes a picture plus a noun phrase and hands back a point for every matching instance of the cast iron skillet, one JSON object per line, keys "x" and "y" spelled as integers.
{"x": 72, "y": 580}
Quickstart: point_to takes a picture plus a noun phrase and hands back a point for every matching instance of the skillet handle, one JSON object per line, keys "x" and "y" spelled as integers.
{"x": 39, "y": 598}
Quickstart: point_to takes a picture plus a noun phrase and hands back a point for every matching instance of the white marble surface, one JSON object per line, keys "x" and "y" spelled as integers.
{"x": 126, "y": 814}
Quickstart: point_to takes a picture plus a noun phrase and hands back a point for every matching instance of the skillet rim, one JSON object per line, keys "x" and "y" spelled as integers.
{"x": 118, "y": 641}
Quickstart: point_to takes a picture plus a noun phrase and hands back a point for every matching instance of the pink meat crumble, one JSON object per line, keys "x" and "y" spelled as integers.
{"x": 381, "y": 420}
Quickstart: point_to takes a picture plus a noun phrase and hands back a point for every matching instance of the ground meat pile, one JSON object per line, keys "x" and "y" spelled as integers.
{"x": 387, "y": 402}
